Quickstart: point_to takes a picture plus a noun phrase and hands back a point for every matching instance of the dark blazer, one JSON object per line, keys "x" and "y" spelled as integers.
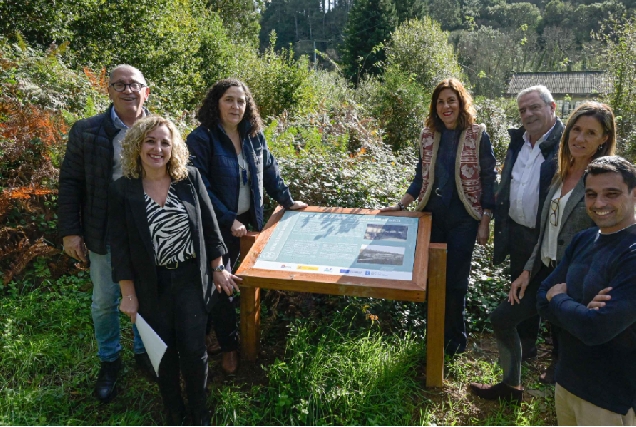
{"x": 214, "y": 155}
{"x": 549, "y": 149}
{"x": 86, "y": 171}
{"x": 574, "y": 220}
{"x": 133, "y": 255}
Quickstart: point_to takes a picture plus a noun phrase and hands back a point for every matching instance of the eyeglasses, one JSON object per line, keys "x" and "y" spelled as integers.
{"x": 121, "y": 87}
{"x": 554, "y": 211}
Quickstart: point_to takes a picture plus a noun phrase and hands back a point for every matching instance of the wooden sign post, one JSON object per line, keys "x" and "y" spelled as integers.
{"x": 428, "y": 283}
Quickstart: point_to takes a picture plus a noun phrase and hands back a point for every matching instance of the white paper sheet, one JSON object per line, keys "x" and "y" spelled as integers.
{"x": 155, "y": 347}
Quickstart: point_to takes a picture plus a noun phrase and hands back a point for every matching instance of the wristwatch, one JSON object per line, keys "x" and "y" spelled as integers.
{"x": 489, "y": 213}
{"x": 219, "y": 268}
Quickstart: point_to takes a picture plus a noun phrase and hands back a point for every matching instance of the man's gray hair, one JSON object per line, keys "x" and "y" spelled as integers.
{"x": 135, "y": 69}
{"x": 543, "y": 92}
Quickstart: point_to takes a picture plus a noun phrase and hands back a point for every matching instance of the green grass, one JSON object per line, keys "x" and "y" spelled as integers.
{"x": 338, "y": 369}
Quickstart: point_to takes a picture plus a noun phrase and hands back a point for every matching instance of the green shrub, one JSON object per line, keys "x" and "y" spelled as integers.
{"x": 498, "y": 115}
{"x": 400, "y": 105}
{"x": 419, "y": 48}
{"x": 336, "y": 158}
{"x": 279, "y": 82}
{"x": 44, "y": 78}
{"x": 619, "y": 60}
{"x": 418, "y": 56}
{"x": 488, "y": 287}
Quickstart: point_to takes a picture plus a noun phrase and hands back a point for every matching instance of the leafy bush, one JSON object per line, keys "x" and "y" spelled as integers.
{"x": 336, "y": 158}
{"x": 43, "y": 78}
{"x": 400, "y": 104}
{"x": 40, "y": 96}
{"x": 418, "y": 56}
{"x": 419, "y": 48}
{"x": 488, "y": 287}
{"x": 619, "y": 60}
{"x": 279, "y": 82}
{"x": 498, "y": 115}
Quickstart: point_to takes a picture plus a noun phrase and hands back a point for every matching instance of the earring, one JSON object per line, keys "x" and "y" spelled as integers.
{"x": 600, "y": 147}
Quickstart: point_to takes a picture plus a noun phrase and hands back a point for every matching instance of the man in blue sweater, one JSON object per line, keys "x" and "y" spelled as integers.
{"x": 591, "y": 295}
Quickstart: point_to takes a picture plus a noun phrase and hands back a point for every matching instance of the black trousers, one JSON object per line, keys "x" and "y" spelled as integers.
{"x": 505, "y": 320}
{"x": 223, "y": 314}
{"x": 454, "y": 226}
{"x": 181, "y": 323}
{"x": 523, "y": 240}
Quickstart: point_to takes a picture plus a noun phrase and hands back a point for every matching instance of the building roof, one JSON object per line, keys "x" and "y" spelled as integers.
{"x": 571, "y": 83}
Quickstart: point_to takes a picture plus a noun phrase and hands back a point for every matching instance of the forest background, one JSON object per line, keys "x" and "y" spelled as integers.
{"x": 343, "y": 86}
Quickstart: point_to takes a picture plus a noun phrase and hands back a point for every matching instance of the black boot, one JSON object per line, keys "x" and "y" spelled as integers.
{"x": 105, "y": 387}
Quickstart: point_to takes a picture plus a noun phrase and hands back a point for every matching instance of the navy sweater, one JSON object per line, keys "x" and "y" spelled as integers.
{"x": 597, "y": 348}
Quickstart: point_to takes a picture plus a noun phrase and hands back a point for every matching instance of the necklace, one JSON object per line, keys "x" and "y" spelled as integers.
{"x": 242, "y": 168}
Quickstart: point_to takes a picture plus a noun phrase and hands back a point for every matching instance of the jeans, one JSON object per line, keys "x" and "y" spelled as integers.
{"x": 505, "y": 320}
{"x": 105, "y": 310}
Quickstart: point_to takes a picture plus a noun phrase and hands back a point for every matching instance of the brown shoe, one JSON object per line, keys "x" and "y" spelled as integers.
{"x": 229, "y": 364}
{"x": 499, "y": 391}
{"x": 548, "y": 377}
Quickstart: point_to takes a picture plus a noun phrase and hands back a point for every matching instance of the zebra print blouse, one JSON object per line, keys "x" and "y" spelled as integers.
{"x": 169, "y": 229}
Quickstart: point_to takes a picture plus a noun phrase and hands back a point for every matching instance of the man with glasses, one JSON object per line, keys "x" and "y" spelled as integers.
{"x": 530, "y": 164}
{"x": 91, "y": 162}
{"x": 591, "y": 295}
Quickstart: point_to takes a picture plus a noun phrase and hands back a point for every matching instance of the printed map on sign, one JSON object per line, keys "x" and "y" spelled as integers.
{"x": 342, "y": 244}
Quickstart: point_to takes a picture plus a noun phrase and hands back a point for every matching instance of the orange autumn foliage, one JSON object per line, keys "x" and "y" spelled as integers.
{"x": 99, "y": 83}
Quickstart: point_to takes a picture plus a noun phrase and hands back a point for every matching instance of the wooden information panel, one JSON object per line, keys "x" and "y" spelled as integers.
{"x": 428, "y": 283}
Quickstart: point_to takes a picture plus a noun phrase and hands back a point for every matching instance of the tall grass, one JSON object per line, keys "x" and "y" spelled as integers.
{"x": 334, "y": 374}
{"x": 342, "y": 369}
{"x": 48, "y": 363}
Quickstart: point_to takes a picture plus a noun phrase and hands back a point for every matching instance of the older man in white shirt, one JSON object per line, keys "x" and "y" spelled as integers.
{"x": 530, "y": 165}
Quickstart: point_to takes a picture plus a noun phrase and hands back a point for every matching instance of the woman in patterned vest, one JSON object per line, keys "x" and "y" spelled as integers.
{"x": 454, "y": 180}
{"x": 167, "y": 252}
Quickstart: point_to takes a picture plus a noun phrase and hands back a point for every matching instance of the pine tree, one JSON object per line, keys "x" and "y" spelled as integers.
{"x": 370, "y": 24}
{"x": 410, "y": 9}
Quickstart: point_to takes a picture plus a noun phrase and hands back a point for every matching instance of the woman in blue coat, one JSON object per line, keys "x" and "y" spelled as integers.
{"x": 230, "y": 152}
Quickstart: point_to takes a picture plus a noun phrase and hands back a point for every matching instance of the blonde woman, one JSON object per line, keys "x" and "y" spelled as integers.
{"x": 166, "y": 244}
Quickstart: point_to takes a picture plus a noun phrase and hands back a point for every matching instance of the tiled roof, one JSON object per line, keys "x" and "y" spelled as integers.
{"x": 562, "y": 83}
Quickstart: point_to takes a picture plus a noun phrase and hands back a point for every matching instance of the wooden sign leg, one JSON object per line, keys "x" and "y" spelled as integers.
{"x": 250, "y": 322}
{"x": 436, "y": 296}
{"x": 250, "y": 310}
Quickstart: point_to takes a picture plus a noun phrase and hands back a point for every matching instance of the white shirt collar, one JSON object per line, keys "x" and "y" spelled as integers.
{"x": 526, "y": 137}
